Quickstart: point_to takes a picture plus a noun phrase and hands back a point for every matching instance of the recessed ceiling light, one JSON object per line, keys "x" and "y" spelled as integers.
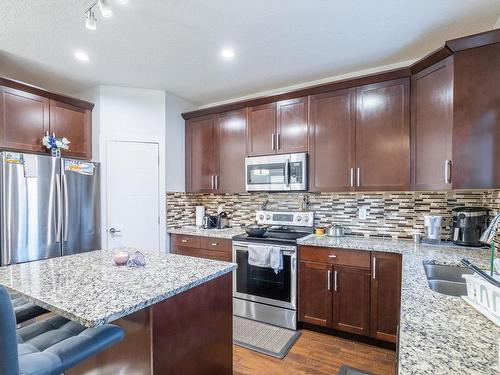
{"x": 227, "y": 53}
{"x": 81, "y": 56}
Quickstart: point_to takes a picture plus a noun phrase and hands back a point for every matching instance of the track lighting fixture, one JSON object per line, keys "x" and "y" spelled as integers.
{"x": 90, "y": 20}
{"x": 104, "y": 8}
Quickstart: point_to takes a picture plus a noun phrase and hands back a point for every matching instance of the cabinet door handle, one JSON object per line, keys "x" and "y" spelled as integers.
{"x": 277, "y": 141}
{"x": 335, "y": 283}
{"x": 447, "y": 171}
{"x": 213, "y": 184}
{"x": 374, "y": 268}
{"x": 358, "y": 176}
{"x": 333, "y": 256}
{"x": 184, "y": 241}
{"x": 328, "y": 281}
{"x": 216, "y": 182}
{"x": 352, "y": 177}
{"x": 272, "y": 141}
{"x": 214, "y": 244}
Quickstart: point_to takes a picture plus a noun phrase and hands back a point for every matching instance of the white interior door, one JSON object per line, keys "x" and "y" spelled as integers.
{"x": 132, "y": 195}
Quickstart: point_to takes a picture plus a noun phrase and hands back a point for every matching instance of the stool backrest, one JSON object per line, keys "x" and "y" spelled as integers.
{"x": 8, "y": 338}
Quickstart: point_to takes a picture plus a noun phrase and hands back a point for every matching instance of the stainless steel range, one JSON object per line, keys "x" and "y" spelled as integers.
{"x": 262, "y": 292}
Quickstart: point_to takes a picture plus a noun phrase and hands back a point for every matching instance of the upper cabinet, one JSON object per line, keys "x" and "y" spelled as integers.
{"x": 73, "y": 123}
{"x": 201, "y": 163}
{"x": 332, "y": 141}
{"x": 360, "y": 138}
{"x": 27, "y": 113}
{"x": 215, "y": 153}
{"x": 278, "y": 128}
{"x": 476, "y": 118}
{"x": 383, "y": 136}
{"x": 432, "y": 126}
{"x": 291, "y": 132}
{"x": 262, "y": 129}
{"x": 24, "y": 120}
{"x": 231, "y": 128}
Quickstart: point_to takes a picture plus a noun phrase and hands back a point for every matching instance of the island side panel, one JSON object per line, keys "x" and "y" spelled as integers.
{"x": 193, "y": 331}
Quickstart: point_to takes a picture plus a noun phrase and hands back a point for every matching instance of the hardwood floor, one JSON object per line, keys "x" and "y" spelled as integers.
{"x": 316, "y": 353}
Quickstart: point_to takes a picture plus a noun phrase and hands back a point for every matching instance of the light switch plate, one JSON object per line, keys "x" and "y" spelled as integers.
{"x": 363, "y": 213}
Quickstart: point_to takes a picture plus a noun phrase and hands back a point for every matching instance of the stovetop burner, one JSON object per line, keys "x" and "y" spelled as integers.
{"x": 286, "y": 227}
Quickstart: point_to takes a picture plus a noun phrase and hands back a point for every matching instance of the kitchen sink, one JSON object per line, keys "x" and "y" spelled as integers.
{"x": 447, "y": 279}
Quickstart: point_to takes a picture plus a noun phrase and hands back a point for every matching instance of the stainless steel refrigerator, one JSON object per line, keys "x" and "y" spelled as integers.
{"x": 49, "y": 207}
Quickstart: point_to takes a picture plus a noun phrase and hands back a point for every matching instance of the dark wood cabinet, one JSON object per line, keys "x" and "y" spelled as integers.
{"x": 24, "y": 120}
{"x": 385, "y": 295}
{"x": 215, "y": 153}
{"x": 201, "y": 247}
{"x": 315, "y": 294}
{"x": 383, "y": 136}
{"x": 261, "y": 139}
{"x": 201, "y": 162}
{"x": 231, "y": 151}
{"x": 353, "y": 291}
{"x": 432, "y": 126}
{"x": 476, "y": 118}
{"x": 28, "y": 112}
{"x": 278, "y": 128}
{"x": 332, "y": 141}
{"x": 292, "y": 126}
{"x": 74, "y": 123}
{"x": 351, "y": 299}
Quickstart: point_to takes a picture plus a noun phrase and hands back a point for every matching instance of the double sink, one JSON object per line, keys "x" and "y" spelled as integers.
{"x": 447, "y": 279}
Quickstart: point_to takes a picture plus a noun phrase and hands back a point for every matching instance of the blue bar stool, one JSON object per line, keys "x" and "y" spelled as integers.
{"x": 25, "y": 310}
{"x": 48, "y": 347}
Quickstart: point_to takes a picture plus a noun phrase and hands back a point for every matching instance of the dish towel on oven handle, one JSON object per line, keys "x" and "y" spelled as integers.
{"x": 265, "y": 257}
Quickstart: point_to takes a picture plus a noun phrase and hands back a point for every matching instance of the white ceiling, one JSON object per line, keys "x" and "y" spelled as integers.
{"x": 175, "y": 44}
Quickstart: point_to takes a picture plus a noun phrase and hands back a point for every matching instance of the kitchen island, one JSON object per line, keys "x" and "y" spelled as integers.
{"x": 438, "y": 334}
{"x": 176, "y": 311}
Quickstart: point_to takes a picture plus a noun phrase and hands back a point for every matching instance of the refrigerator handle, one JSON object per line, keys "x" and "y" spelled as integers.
{"x": 65, "y": 196}
{"x": 59, "y": 207}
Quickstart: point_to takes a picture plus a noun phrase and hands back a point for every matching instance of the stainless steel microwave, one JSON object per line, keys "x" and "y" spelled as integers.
{"x": 287, "y": 172}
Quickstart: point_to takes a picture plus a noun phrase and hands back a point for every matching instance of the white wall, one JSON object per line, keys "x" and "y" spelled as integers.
{"x": 174, "y": 142}
{"x": 122, "y": 113}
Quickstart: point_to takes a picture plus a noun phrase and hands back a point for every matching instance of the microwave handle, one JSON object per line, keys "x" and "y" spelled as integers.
{"x": 287, "y": 172}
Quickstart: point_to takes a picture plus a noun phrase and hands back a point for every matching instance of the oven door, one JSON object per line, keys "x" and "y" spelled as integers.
{"x": 276, "y": 172}
{"x": 263, "y": 285}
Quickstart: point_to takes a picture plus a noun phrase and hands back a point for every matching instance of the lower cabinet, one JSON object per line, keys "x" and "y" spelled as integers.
{"x": 201, "y": 247}
{"x": 338, "y": 289}
{"x": 385, "y": 296}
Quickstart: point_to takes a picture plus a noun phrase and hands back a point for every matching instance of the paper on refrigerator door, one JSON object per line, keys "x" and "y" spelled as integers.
{"x": 81, "y": 167}
{"x": 30, "y": 166}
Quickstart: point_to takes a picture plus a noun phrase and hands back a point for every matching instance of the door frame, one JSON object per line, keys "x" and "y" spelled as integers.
{"x": 162, "y": 209}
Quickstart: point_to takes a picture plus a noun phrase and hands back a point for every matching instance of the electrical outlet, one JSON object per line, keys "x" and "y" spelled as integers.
{"x": 363, "y": 213}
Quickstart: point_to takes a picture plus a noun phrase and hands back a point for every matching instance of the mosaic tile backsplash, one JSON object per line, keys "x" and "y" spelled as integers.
{"x": 388, "y": 214}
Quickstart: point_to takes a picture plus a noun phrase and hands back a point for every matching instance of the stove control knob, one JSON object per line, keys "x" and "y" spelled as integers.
{"x": 299, "y": 218}
{"x": 306, "y": 219}
{"x": 261, "y": 216}
{"x": 268, "y": 217}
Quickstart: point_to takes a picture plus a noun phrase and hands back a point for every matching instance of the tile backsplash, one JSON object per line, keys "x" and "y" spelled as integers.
{"x": 388, "y": 214}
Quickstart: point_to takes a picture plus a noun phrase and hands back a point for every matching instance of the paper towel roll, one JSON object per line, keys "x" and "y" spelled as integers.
{"x": 200, "y": 213}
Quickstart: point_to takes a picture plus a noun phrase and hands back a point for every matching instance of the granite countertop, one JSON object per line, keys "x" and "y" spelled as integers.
{"x": 89, "y": 289}
{"x": 439, "y": 334}
{"x": 227, "y": 233}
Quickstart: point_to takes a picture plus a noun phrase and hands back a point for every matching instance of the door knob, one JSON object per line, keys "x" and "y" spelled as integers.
{"x": 113, "y": 230}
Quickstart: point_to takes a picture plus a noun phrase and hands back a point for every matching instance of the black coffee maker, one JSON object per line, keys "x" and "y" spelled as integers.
{"x": 468, "y": 225}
